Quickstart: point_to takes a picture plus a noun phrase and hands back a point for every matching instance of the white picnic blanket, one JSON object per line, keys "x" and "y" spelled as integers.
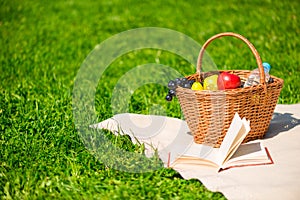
{"x": 280, "y": 180}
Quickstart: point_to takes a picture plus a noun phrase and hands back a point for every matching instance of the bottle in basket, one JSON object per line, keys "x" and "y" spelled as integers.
{"x": 254, "y": 78}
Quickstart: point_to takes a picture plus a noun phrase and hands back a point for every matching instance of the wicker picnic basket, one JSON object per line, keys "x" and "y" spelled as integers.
{"x": 209, "y": 113}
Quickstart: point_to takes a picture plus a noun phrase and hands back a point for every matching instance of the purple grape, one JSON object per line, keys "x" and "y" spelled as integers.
{"x": 169, "y": 97}
{"x": 187, "y": 85}
{"x": 172, "y": 84}
{"x": 178, "y": 81}
{"x": 172, "y": 92}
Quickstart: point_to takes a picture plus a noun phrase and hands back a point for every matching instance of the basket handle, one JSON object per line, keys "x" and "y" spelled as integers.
{"x": 250, "y": 45}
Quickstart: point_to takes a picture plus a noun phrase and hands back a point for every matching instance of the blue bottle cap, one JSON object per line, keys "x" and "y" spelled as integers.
{"x": 266, "y": 66}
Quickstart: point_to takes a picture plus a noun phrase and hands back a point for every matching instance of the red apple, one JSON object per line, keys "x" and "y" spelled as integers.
{"x": 228, "y": 81}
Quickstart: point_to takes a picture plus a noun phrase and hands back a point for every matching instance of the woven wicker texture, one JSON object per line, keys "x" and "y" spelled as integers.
{"x": 209, "y": 113}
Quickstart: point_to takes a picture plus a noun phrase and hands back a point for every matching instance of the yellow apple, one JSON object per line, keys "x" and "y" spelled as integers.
{"x": 211, "y": 83}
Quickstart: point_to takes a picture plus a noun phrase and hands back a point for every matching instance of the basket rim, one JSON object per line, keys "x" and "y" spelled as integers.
{"x": 261, "y": 86}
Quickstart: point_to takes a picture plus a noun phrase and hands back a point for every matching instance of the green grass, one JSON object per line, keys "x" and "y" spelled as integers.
{"x": 42, "y": 48}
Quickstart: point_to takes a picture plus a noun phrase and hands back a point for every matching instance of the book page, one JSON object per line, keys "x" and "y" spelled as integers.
{"x": 249, "y": 154}
{"x": 236, "y": 133}
{"x": 202, "y": 151}
{"x": 198, "y": 154}
{"x": 192, "y": 161}
{"x": 237, "y": 142}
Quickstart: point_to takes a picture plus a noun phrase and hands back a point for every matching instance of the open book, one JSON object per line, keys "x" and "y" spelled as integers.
{"x": 232, "y": 153}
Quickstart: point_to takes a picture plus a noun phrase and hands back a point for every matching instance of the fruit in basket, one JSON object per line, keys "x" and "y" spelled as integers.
{"x": 169, "y": 97}
{"x": 173, "y": 84}
{"x": 210, "y": 83}
{"x": 197, "y": 86}
{"x": 228, "y": 81}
